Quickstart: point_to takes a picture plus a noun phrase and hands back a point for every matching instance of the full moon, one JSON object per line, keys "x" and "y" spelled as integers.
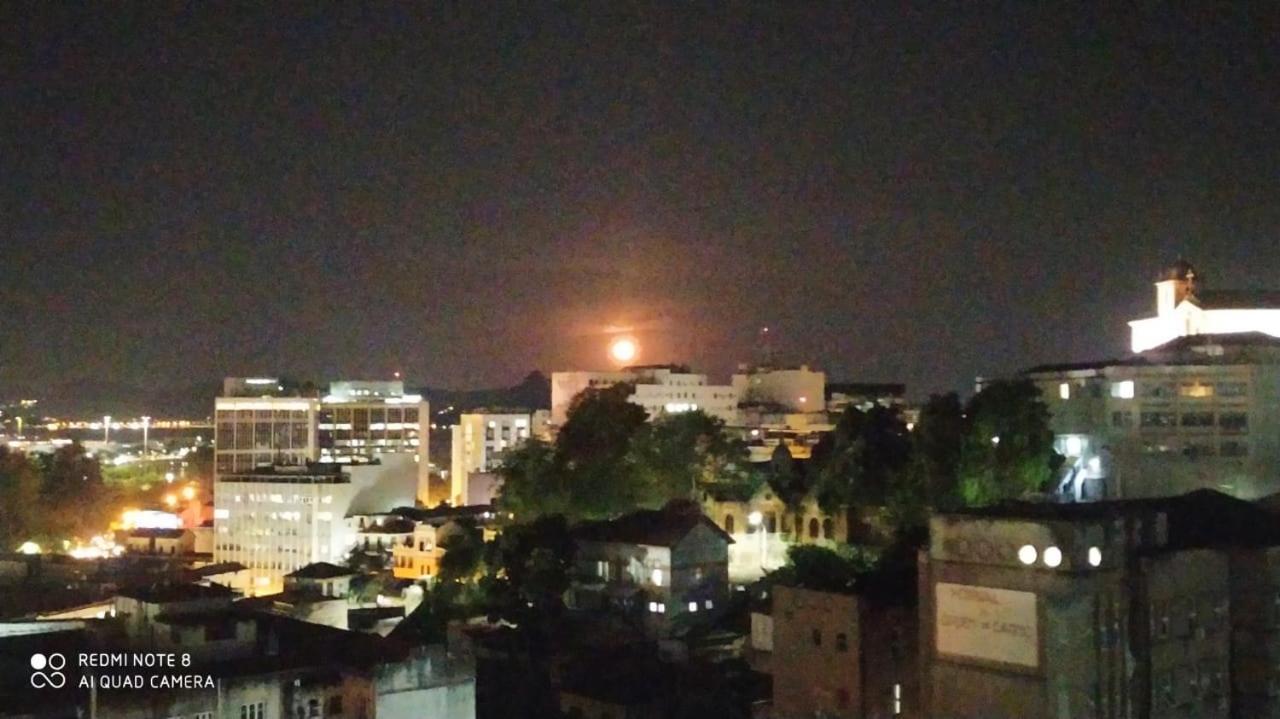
{"x": 623, "y": 350}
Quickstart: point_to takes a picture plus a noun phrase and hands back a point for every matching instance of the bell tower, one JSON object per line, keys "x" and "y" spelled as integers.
{"x": 1175, "y": 284}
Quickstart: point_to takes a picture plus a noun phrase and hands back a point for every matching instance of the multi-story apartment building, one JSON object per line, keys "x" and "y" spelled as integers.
{"x": 479, "y": 440}
{"x": 1100, "y": 609}
{"x": 261, "y": 421}
{"x": 660, "y": 389}
{"x": 1200, "y": 410}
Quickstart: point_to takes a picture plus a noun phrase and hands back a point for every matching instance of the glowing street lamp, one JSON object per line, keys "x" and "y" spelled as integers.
{"x": 189, "y": 493}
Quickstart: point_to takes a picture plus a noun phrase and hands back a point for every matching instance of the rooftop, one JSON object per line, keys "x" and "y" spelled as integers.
{"x": 1202, "y": 518}
{"x": 1188, "y": 350}
{"x": 1236, "y": 299}
{"x": 320, "y": 570}
{"x": 166, "y": 593}
{"x": 310, "y": 473}
{"x": 142, "y": 533}
{"x": 653, "y": 527}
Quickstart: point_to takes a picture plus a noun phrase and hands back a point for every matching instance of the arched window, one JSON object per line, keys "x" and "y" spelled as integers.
{"x": 842, "y": 642}
{"x": 813, "y": 528}
{"x": 828, "y": 529}
{"x": 728, "y": 523}
{"x": 771, "y": 522}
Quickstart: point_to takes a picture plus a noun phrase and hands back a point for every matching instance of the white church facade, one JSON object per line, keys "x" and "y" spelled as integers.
{"x": 1184, "y": 307}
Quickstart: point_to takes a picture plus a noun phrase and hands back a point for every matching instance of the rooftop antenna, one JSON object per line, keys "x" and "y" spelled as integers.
{"x": 765, "y": 339}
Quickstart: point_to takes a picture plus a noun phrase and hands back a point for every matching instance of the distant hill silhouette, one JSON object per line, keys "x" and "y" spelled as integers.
{"x": 533, "y": 392}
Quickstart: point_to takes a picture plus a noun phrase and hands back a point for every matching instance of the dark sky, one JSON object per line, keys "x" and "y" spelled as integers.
{"x": 917, "y": 194}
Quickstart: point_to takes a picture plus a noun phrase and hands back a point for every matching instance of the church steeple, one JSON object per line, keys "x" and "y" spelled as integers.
{"x": 1176, "y": 283}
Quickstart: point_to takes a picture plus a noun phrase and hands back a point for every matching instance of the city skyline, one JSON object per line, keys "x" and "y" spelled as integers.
{"x": 914, "y": 195}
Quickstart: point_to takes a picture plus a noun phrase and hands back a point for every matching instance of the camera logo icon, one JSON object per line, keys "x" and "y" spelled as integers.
{"x": 54, "y": 678}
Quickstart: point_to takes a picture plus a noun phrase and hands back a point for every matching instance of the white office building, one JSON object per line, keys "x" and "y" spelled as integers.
{"x": 660, "y": 389}
{"x": 481, "y": 438}
{"x": 258, "y": 423}
{"x": 784, "y": 389}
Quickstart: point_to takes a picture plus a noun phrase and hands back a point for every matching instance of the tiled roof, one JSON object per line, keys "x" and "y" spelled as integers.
{"x": 653, "y": 527}
{"x": 320, "y": 570}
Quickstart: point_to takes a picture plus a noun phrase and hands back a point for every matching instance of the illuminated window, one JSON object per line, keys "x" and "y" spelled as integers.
{"x": 693, "y": 606}
{"x": 1195, "y": 390}
{"x": 897, "y": 699}
{"x": 656, "y": 577}
{"x": 1064, "y": 391}
{"x": 1095, "y": 556}
{"x": 1122, "y": 390}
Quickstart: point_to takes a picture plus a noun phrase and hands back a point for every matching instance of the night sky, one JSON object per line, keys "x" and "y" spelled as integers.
{"x": 914, "y": 194}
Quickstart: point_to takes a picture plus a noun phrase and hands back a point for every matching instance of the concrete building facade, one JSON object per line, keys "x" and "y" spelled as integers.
{"x": 260, "y": 421}
{"x": 1199, "y": 412}
{"x": 660, "y": 389}
{"x": 1104, "y": 609}
{"x": 479, "y": 440}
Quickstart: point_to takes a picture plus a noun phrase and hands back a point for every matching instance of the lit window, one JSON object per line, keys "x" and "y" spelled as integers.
{"x": 1095, "y": 556}
{"x": 707, "y": 604}
{"x": 1027, "y": 555}
{"x": 653, "y": 607}
{"x": 897, "y": 699}
{"x": 662, "y": 608}
{"x": 1064, "y": 390}
{"x": 656, "y": 577}
{"x": 1052, "y": 557}
{"x": 693, "y": 606}
{"x": 1123, "y": 389}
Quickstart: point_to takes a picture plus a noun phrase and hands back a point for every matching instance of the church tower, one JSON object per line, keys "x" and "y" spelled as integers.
{"x": 1175, "y": 284}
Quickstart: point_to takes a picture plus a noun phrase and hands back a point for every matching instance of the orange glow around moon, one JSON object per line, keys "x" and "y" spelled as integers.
{"x": 623, "y": 350}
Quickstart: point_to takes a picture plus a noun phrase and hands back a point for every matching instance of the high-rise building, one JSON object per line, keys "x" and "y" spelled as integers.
{"x": 263, "y": 421}
{"x": 660, "y": 389}
{"x": 479, "y": 440}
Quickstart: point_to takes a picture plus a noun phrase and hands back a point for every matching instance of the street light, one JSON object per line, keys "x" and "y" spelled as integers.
{"x": 146, "y": 424}
{"x": 106, "y": 429}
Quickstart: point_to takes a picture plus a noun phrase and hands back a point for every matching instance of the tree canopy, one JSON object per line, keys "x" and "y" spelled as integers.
{"x": 608, "y": 459}
{"x": 997, "y": 446}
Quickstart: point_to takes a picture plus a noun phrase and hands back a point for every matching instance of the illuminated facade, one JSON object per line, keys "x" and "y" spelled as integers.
{"x": 275, "y": 520}
{"x": 257, "y": 424}
{"x": 1184, "y": 307}
{"x": 1199, "y": 412}
{"x": 481, "y": 438}
{"x": 660, "y": 389}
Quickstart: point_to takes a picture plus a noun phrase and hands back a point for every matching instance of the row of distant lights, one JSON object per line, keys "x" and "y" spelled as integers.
{"x": 1053, "y": 556}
